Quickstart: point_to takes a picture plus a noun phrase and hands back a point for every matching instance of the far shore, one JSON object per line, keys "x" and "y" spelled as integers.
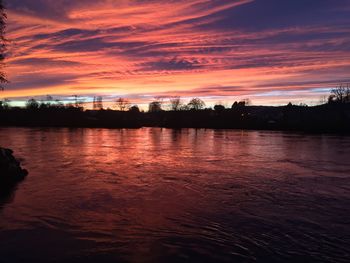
{"x": 323, "y": 118}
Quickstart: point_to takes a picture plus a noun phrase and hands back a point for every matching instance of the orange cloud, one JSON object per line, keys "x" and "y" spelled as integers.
{"x": 196, "y": 48}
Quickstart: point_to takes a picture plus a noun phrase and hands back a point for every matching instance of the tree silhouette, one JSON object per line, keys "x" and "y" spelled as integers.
{"x": 5, "y": 104}
{"x": 155, "y": 106}
{"x": 2, "y": 43}
{"x": 196, "y": 104}
{"x": 32, "y": 104}
{"x": 241, "y": 104}
{"x": 340, "y": 94}
{"x": 122, "y": 104}
{"x": 184, "y": 107}
{"x": 134, "y": 109}
{"x": 97, "y": 103}
{"x": 219, "y": 108}
{"x": 78, "y": 103}
{"x": 175, "y": 103}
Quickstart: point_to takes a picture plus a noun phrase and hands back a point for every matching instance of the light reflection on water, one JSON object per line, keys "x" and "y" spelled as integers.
{"x": 155, "y": 195}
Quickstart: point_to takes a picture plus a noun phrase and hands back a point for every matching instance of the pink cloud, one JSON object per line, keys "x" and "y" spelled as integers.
{"x": 132, "y": 48}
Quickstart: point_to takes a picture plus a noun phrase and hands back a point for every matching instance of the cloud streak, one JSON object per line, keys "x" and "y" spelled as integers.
{"x": 135, "y": 47}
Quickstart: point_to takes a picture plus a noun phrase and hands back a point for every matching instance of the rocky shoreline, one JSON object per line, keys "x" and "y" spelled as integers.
{"x": 11, "y": 171}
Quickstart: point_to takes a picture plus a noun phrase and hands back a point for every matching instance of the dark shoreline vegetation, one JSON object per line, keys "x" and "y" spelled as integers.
{"x": 11, "y": 171}
{"x": 331, "y": 117}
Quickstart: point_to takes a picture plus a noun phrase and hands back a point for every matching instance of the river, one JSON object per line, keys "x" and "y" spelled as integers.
{"x": 162, "y": 195}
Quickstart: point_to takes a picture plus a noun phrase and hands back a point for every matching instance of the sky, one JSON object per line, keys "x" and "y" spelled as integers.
{"x": 269, "y": 51}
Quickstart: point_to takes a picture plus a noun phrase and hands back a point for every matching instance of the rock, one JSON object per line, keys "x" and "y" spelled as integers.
{"x": 10, "y": 169}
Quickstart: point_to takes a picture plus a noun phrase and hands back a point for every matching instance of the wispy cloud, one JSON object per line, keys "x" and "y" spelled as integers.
{"x": 205, "y": 48}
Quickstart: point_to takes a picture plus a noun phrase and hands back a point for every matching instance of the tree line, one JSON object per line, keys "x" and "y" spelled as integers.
{"x": 338, "y": 95}
{"x": 119, "y": 104}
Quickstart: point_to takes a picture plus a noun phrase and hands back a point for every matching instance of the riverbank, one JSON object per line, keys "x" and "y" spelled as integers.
{"x": 323, "y": 118}
{"x": 10, "y": 169}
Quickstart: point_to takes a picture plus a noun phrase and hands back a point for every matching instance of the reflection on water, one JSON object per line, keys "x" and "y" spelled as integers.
{"x": 155, "y": 195}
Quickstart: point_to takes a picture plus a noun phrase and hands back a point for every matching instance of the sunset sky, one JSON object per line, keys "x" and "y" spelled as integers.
{"x": 270, "y": 51}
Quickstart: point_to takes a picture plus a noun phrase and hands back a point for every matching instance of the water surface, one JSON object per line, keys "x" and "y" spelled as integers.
{"x": 161, "y": 195}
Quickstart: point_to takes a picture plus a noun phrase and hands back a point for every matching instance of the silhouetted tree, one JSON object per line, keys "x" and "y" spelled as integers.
{"x": 97, "y": 103}
{"x": 240, "y": 104}
{"x": 134, "y": 109}
{"x": 155, "y": 106}
{"x": 331, "y": 99}
{"x": 184, "y": 107}
{"x": 175, "y": 103}
{"x": 5, "y": 104}
{"x": 43, "y": 105}
{"x": 122, "y": 104}
{"x": 2, "y": 43}
{"x": 32, "y": 104}
{"x": 219, "y": 108}
{"x": 78, "y": 103}
{"x": 46, "y": 103}
{"x": 196, "y": 104}
{"x": 94, "y": 103}
{"x": 340, "y": 94}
